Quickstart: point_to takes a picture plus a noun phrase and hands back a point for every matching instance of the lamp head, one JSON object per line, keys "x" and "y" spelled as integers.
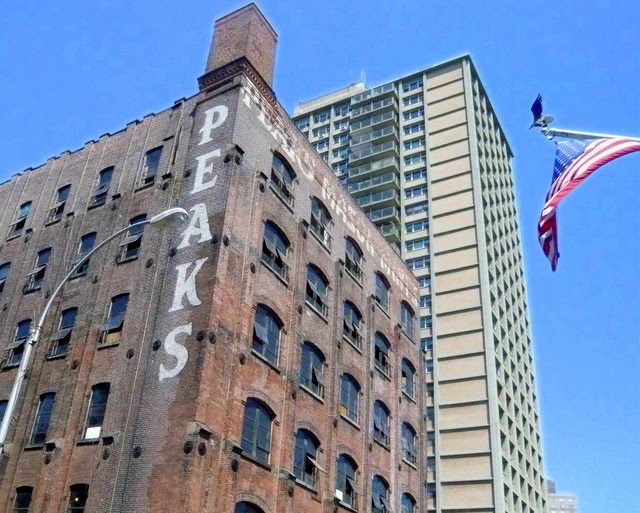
{"x": 170, "y": 217}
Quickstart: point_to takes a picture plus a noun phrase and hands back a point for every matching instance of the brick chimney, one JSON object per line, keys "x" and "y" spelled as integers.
{"x": 247, "y": 34}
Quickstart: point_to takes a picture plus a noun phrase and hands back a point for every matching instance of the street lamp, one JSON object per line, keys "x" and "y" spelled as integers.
{"x": 162, "y": 220}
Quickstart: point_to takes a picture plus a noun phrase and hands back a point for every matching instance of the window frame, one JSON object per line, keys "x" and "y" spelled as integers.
{"x": 320, "y": 222}
{"x": 381, "y": 423}
{"x": 346, "y": 475}
{"x": 352, "y": 331}
{"x": 380, "y": 491}
{"x": 150, "y": 170}
{"x": 5, "y": 270}
{"x": 353, "y": 260}
{"x": 96, "y": 412}
{"x": 82, "y": 270}
{"x": 317, "y": 290}
{"x": 305, "y": 458}
{"x": 267, "y": 348}
{"x": 282, "y": 180}
{"x": 256, "y": 448}
{"x": 131, "y": 245}
{"x": 20, "y": 338}
{"x": 312, "y": 363}
{"x": 408, "y": 379}
{"x": 21, "y": 508}
{"x": 99, "y": 196}
{"x": 273, "y": 256}
{"x": 349, "y": 405}
{"x": 42, "y": 419}
{"x": 382, "y": 291}
{"x": 80, "y": 490}
{"x": 111, "y": 329}
{"x": 407, "y": 320}
{"x": 62, "y": 337}
{"x": 16, "y": 228}
{"x": 408, "y": 444}
{"x": 35, "y": 278}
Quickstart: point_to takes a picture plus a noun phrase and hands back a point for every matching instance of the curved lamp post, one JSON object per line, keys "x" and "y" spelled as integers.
{"x": 163, "y": 220}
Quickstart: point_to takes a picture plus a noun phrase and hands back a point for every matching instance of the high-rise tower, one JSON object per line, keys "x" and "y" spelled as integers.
{"x": 426, "y": 158}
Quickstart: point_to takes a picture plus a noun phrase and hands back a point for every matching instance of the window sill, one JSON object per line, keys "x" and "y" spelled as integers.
{"x": 255, "y": 461}
{"x": 306, "y": 486}
{"x": 105, "y": 346}
{"x": 56, "y": 356}
{"x": 278, "y": 275}
{"x": 346, "y": 506}
{"x": 349, "y": 421}
{"x": 33, "y": 447}
{"x": 144, "y": 186}
{"x": 320, "y": 241}
{"x": 382, "y": 308}
{"x": 409, "y": 337}
{"x": 283, "y": 200}
{"x": 12, "y": 237}
{"x": 31, "y": 291}
{"x": 262, "y": 358}
{"x": 92, "y": 205}
{"x": 312, "y": 393}
{"x": 317, "y": 312}
{"x": 52, "y": 221}
{"x": 410, "y": 463}
{"x": 353, "y": 277}
{"x": 409, "y": 397}
{"x": 353, "y": 344}
{"x": 382, "y": 444}
{"x": 78, "y": 275}
{"x": 9, "y": 366}
{"x": 88, "y": 441}
{"x": 125, "y": 260}
{"x": 383, "y": 373}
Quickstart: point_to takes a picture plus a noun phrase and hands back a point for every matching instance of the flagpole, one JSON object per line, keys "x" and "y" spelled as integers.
{"x": 550, "y": 133}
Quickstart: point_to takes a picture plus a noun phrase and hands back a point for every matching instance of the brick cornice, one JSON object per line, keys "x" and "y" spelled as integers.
{"x": 240, "y": 66}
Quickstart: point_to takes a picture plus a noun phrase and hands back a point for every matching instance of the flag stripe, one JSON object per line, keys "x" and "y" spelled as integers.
{"x": 580, "y": 164}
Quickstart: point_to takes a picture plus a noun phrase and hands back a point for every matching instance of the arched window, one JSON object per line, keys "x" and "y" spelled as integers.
{"x": 275, "y": 247}
{"x": 130, "y": 246}
{"x": 381, "y": 352}
{"x": 320, "y": 222}
{"x": 352, "y": 324}
{"x": 353, "y": 260}
{"x": 317, "y": 285}
{"x": 23, "y": 499}
{"x": 349, "y": 393}
{"x": 408, "y": 378}
{"x": 86, "y": 244}
{"x": 381, "y": 423}
{"x": 43, "y": 418}
{"x": 382, "y": 291}
{"x": 311, "y": 367}
{"x": 15, "y": 230}
{"x": 112, "y": 328}
{"x": 282, "y": 178}
{"x": 380, "y": 495}
{"x": 256, "y": 430}
{"x": 407, "y": 317}
{"x": 305, "y": 458}
{"x": 55, "y": 213}
{"x": 247, "y": 507}
{"x": 346, "y": 480}
{"x": 104, "y": 181}
{"x": 408, "y": 504}
{"x": 266, "y": 334}
{"x": 409, "y": 452}
{"x": 15, "y": 350}
{"x": 78, "y": 495}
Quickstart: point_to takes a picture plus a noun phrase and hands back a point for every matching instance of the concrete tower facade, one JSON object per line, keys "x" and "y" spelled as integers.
{"x": 426, "y": 158}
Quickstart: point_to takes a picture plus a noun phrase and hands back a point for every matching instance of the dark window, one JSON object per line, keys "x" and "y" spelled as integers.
{"x": 407, "y": 318}
{"x": 247, "y": 507}
{"x": 311, "y": 366}
{"x": 104, "y": 181}
{"x": 151, "y": 165}
{"x": 3, "y": 409}
{"x": 320, "y": 222}
{"x": 346, "y": 480}
{"x": 43, "y": 417}
{"x": 317, "y": 285}
{"x": 431, "y": 490}
{"x": 78, "y": 494}
{"x": 4, "y": 274}
{"x": 96, "y": 411}
{"x": 408, "y": 378}
{"x": 55, "y": 214}
{"x": 266, "y": 334}
{"x": 380, "y": 496}
{"x": 382, "y": 291}
{"x": 130, "y": 246}
{"x": 408, "y": 504}
{"x": 275, "y": 247}
{"x": 256, "y": 430}
{"x": 86, "y": 245}
{"x": 381, "y": 352}
{"x": 60, "y": 339}
{"x": 112, "y": 329}
{"x": 352, "y": 324}
{"x": 282, "y": 178}
{"x": 23, "y": 499}
{"x": 16, "y": 348}
{"x": 15, "y": 230}
{"x": 36, "y": 276}
{"x": 353, "y": 260}
{"x": 305, "y": 462}
{"x": 381, "y": 423}
{"x": 349, "y": 397}
{"x": 409, "y": 452}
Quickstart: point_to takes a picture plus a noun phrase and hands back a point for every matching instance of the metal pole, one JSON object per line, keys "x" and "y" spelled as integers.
{"x": 550, "y": 133}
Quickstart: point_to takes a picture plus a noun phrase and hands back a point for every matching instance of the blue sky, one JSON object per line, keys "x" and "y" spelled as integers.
{"x": 72, "y": 71}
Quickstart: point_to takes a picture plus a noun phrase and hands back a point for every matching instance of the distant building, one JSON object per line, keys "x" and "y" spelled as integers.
{"x": 263, "y": 359}
{"x": 426, "y": 158}
{"x": 560, "y": 502}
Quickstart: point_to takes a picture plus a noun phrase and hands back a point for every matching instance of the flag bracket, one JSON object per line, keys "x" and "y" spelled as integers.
{"x": 550, "y": 133}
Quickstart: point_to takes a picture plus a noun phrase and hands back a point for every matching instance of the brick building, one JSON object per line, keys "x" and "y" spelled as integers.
{"x": 261, "y": 358}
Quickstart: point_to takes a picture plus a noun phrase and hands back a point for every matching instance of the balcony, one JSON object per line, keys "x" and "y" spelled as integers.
{"x": 373, "y": 182}
{"x": 384, "y": 213}
{"x": 385, "y": 103}
{"x": 380, "y": 198}
{"x": 385, "y": 117}
{"x": 372, "y": 151}
{"x": 375, "y": 135}
{"x": 387, "y": 89}
{"x": 375, "y": 168}
{"x": 390, "y": 231}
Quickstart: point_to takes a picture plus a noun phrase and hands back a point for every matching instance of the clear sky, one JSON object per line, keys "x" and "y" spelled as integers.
{"x": 71, "y": 71}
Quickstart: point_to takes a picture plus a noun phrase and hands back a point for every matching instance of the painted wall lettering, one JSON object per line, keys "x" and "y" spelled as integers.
{"x": 213, "y": 118}
{"x": 205, "y": 167}
{"x": 177, "y": 350}
{"x": 198, "y": 226}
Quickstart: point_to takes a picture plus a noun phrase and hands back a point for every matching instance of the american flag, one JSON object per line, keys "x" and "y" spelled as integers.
{"x": 575, "y": 161}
